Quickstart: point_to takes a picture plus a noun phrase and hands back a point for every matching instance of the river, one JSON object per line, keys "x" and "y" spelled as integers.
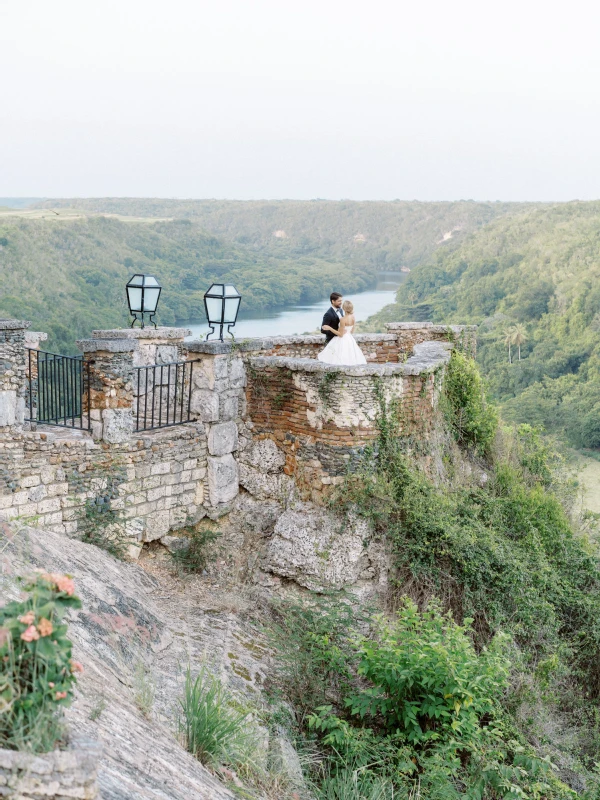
{"x": 307, "y": 318}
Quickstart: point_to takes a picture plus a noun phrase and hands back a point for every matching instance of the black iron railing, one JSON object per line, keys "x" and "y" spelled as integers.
{"x": 163, "y": 394}
{"x": 59, "y": 389}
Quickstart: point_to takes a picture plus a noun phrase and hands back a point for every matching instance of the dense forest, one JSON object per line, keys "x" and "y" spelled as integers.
{"x": 374, "y": 235}
{"x": 67, "y": 275}
{"x": 532, "y": 284}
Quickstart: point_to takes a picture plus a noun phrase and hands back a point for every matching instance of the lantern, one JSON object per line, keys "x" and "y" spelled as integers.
{"x": 222, "y": 303}
{"x": 143, "y": 292}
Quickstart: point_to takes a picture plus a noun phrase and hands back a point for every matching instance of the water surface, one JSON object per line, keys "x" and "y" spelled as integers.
{"x": 297, "y": 319}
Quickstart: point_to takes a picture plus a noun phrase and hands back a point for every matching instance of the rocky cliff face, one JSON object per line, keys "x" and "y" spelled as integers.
{"x": 136, "y": 637}
{"x": 141, "y": 626}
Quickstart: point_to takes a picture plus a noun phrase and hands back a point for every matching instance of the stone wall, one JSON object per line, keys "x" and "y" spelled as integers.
{"x": 13, "y": 384}
{"x": 322, "y": 417}
{"x": 156, "y": 481}
{"x": 61, "y": 774}
{"x": 261, "y": 417}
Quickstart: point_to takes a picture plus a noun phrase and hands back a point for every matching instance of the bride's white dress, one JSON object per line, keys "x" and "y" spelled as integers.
{"x": 343, "y": 350}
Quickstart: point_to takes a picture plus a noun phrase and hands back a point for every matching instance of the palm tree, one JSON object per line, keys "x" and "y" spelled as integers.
{"x": 519, "y": 336}
{"x": 508, "y": 339}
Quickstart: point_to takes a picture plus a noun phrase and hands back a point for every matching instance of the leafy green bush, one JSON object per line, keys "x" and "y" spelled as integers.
{"x": 212, "y": 725}
{"x": 425, "y": 677}
{"x": 38, "y": 672}
{"x": 471, "y": 418}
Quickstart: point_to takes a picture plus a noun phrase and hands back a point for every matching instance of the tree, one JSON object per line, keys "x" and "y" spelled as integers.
{"x": 519, "y": 336}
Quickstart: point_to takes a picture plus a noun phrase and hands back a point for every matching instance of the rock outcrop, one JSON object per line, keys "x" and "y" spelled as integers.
{"x": 135, "y": 637}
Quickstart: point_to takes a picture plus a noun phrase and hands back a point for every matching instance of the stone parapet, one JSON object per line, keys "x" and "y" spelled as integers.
{"x": 60, "y": 774}
{"x": 427, "y": 357}
{"x": 322, "y": 417}
{"x": 163, "y": 332}
{"x": 13, "y": 372}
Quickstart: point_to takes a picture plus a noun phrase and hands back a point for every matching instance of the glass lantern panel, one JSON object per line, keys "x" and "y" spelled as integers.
{"x": 151, "y": 299}
{"x": 231, "y": 291}
{"x": 134, "y": 295}
{"x": 232, "y": 305}
{"x": 137, "y": 280}
{"x": 216, "y": 289}
{"x": 214, "y": 309}
{"x": 149, "y": 280}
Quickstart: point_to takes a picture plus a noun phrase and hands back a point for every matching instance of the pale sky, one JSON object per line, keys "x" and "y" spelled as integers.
{"x": 427, "y": 99}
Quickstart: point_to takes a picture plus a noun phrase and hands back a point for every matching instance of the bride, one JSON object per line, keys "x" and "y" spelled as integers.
{"x": 342, "y": 349}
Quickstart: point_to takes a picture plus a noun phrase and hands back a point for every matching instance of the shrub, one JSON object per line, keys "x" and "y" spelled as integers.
{"x": 313, "y": 645}
{"x": 38, "y": 672}
{"x": 472, "y": 420}
{"x": 210, "y": 722}
{"x": 195, "y": 553}
{"x": 426, "y": 679}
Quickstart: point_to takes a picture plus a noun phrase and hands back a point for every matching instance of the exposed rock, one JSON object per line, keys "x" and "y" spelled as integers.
{"x": 264, "y": 485}
{"x": 322, "y": 552}
{"x": 284, "y": 760}
{"x": 129, "y": 619}
{"x": 175, "y": 543}
{"x": 265, "y": 455}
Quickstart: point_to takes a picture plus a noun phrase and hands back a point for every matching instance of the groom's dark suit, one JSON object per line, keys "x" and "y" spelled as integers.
{"x": 332, "y": 319}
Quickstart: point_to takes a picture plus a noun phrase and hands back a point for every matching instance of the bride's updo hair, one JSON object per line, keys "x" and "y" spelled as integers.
{"x": 348, "y": 307}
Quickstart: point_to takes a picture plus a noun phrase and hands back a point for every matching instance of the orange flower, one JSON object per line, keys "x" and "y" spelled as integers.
{"x": 76, "y": 666}
{"x": 51, "y": 684}
{"x": 30, "y": 635}
{"x": 60, "y": 695}
{"x": 27, "y": 618}
{"x": 64, "y": 584}
{"x": 45, "y": 627}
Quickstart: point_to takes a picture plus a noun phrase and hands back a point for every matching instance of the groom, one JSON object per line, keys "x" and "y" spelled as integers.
{"x": 333, "y": 315}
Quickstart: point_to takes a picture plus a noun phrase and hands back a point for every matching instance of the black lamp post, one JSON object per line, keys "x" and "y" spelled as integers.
{"x": 221, "y": 303}
{"x": 143, "y": 292}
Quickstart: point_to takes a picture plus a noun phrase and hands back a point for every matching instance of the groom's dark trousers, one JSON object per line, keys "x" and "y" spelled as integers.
{"x": 330, "y": 318}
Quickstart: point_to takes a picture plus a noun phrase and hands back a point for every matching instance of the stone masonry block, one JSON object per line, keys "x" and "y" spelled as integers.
{"x": 222, "y": 438}
{"x": 237, "y": 373}
{"x": 206, "y": 405}
{"x": 223, "y": 481}
{"x": 117, "y": 425}
{"x": 157, "y": 525}
{"x": 228, "y": 407}
{"x": 8, "y": 407}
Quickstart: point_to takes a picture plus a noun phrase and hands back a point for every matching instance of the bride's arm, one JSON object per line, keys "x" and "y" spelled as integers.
{"x": 333, "y": 330}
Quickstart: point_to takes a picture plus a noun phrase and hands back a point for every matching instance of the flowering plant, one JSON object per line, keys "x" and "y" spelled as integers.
{"x": 38, "y": 672}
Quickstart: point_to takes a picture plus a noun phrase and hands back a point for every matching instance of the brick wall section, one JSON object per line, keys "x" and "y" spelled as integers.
{"x": 379, "y": 348}
{"x": 322, "y": 417}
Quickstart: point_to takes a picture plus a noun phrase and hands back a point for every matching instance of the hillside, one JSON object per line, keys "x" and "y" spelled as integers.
{"x": 540, "y": 272}
{"x": 375, "y": 235}
{"x": 69, "y": 276}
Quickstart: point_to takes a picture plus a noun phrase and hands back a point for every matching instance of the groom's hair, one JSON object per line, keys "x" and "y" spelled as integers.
{"x": 335, "y": 296}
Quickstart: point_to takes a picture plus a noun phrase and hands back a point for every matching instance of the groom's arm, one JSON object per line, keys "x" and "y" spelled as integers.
{"x": 327, "y": 320}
